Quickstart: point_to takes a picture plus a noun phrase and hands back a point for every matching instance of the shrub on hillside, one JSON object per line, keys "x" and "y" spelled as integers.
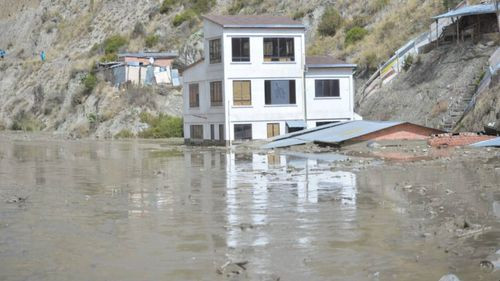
{"x": 113, "y": 44}
{"x": 354, "y": 35}
{"x": 186, "y": 15}
{"x": 139, "y": 29}
{"x": 162, "y": 126}
{"x": 25, "y": 122}
{"x": 330, "y": 22}
{"x": 151, "y": 40}
{"x": 167, "y": 5}
{"x": 408, "y": 62}
{"x": 89, "y": 83}
{"x": 124, "y": 134}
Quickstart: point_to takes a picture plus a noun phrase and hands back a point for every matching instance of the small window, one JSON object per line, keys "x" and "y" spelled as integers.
{"x": 242, "y": 93}
{"x": 327, "y": 88}
{"x": 221, "y": 132}
{"x": 215, "y": 51}
{"x": 273, "y": 130}
{"x": 279, "y": 49}
{"x": 194, "y": 95}
{"x": 241, "y": 49}
{"x": 196, "y": 131}
{"x": 280, "y": 91}
{"x": 212, "y": 131}
{"x": 216, "y": 93}
{"x": 243, "y": 131}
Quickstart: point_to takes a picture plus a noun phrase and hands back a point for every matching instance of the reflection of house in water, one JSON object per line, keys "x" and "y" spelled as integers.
{"x": 259, "y": 186}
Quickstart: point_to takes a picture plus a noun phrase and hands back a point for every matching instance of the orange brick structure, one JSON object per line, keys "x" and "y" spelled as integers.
{"x": 461, "y": 139}
{"x": 405, "y": 131}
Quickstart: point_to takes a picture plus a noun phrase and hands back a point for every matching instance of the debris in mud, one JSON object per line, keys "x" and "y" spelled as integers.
{"x": 230, "y": 269}
{"x": 16, "y": 200}
{"x": 491, "y": 263}
{"x": 449, "y": 277}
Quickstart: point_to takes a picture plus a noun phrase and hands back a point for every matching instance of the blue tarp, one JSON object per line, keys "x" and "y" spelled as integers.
{"x": 469, "y": 10}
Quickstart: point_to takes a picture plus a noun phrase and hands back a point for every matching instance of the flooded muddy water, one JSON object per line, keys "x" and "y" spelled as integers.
{"x": 96, "y": 210}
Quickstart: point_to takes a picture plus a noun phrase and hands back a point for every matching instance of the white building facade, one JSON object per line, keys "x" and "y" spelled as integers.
{"x": 256, "y": 82}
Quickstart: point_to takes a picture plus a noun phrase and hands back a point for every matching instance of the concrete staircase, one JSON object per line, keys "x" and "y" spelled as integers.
{"x": 456, "y": 109}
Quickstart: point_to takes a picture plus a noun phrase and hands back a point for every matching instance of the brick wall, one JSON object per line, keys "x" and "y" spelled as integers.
{"x": 457, "y": 140}
{"x": 404, "y": 131}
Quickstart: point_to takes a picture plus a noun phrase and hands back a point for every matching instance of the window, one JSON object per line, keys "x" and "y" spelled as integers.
{"x": 194, "y": 95}
{"x": 243, "y": 131}
{"x": 214, "y": 51}
{"x": 196, "y": 131}
{"x": 212, "y": 131}
{"x": 327, "y": 88}
{"x": 241, "y": 49}
{"x": 279, "y": 49}
{"x": 325, "y": 123}
{"x": 216, "y": 93}
{"x": 280, "y": 91}
{"x": 242, "y": 92}
{"x": 221, "y": 132}
{"x": 273, "y": 129}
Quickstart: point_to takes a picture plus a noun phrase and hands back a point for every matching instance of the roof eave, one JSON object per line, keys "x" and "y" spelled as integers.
{"x": 273, "y": 26}
{"x": 332, "y": 65}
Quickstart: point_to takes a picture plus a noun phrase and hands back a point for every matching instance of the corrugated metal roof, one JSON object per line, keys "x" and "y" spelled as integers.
{"x": 246, "y": 21}
{"x": 333, "y": 133}
{"x": 469, "y": 10}
{"x": 296, "y": 124}
{"x": 147, "y": 55}
{"x": 489, "y": 143}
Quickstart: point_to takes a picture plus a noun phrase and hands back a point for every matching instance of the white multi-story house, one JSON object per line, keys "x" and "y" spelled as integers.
{"x": 256, "y": 82}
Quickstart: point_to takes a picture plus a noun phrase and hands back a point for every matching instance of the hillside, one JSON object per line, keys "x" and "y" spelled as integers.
{"x": 75, "y": 34}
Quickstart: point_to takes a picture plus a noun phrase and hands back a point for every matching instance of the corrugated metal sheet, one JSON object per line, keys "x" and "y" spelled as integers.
{"x": 489, "y": 143}
{"x": 335, "y": 133}
{"x": 296, "y": 124}
{"x": 469, "y": 10}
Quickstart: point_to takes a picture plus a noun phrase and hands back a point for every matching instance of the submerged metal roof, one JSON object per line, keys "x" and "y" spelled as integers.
{"x": 333, "y": 133}
{"x": 296, "y": 124}
{"x": 469, "y": 10}
{"x": 489, "y": 143}
{"x": 246, "y": 21}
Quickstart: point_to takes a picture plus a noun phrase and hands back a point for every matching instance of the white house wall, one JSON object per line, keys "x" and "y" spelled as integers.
{"x": 329, "y": 108}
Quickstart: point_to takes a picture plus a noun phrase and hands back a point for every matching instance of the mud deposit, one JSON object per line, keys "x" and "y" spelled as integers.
{"x": 136, "y": 210}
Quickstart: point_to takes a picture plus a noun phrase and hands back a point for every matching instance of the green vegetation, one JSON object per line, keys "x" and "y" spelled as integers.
{"x": 162, "y": 126}
{"x": 151, "y": 40}
{"x": 298, "y": 15}
{"x": 25, "y": 122}
{"x": 187, "y": 15}
{"x": 330, "y": 22}
{"x": 236, "y": 7}
{"x": 408, "y": 62}
{"x": 139, "y": 29}
{"x": 111, "y": 46}
{"x": 167, "y": 5}
{"x": 124, "y": 134}
{"x": 354, "y": 35}
{"x": 89, "y": 83}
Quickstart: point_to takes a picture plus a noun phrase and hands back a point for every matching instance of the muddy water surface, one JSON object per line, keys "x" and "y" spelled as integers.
{"x": 142, "y": 211}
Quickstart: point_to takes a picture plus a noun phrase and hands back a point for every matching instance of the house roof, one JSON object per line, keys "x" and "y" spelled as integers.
{"x": 326, "y": 61}
{"x": 468, "y": 11}
{"x": 334, "y": 133}
{"x": 156, "y": 55}
{"x": 193, "y": 64}
{"x": 244, "y": 21}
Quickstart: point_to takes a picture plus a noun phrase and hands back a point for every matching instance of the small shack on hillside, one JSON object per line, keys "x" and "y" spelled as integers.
{"x": 145, "y": 68}
{"x": 470, "y": 22}
{"x": 356, "y": 131}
